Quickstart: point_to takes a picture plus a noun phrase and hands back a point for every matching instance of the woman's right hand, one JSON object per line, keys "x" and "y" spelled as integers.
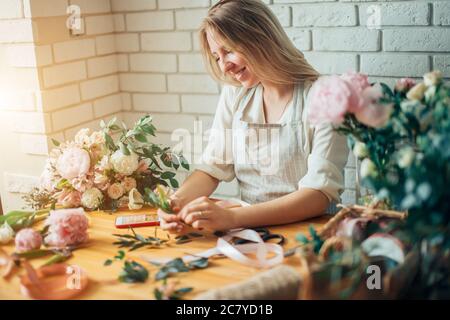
{"x": 171, "y": 222}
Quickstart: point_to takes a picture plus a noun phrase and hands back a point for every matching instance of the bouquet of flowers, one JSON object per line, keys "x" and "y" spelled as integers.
{"x": 96, "y": 171}
{"x": 402, "y": 137}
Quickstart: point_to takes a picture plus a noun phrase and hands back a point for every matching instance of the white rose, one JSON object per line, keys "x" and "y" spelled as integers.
{"x": 360, "y": 150}
{"x": 135, "y": 201}
{"x": 123, "y": 164}
{"x": 417, "y": 92}
{"x": 368, "y": 168}
{"x": 6, "y": 233}
{"x": 432, "y": 78}
{"x": 129, "y": 183}
{"x": 92, "y": 198}
{"x": 406, "y": 157}
{"x": 115, "y": 191}
{"x": 429, "y": 94}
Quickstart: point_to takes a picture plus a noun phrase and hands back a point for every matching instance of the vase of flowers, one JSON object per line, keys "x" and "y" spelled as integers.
{"x": 402, "y": 138}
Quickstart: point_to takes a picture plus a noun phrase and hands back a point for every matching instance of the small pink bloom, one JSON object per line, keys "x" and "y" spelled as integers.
{"x": 374, "y": 114}
{"x": 73, "y": 162}
{"x": 129, "y": 183}
{"x": 69, "y": 199}
{"x": 359, "y": 82}
{"x": 28, "y": 239}
{"x": 66, "y": 227}
{"x": 143, "y": 166}
{"x": 404, "y": 84}
{"x": 330, "y": 99}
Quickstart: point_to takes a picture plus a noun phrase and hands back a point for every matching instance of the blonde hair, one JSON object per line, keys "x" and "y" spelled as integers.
{"x": 250, "y": 28}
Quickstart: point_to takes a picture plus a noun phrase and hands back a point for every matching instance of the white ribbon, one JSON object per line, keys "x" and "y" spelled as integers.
{"x": 238, "y": 252}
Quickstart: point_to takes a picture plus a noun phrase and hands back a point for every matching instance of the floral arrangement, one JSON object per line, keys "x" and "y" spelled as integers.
{"x": 402, "y": 138}
{"x": 96, "y": 172}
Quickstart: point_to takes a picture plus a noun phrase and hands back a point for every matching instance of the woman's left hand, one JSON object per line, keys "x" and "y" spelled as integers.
{"x": 203, "y": 213}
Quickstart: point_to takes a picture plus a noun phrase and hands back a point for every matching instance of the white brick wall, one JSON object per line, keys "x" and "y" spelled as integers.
{"x": 10, "y": 9}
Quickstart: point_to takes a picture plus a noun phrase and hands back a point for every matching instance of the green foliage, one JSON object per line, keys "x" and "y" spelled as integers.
{"x": 177, "y": 265}
{"x": 158, "y": 199}
{"x": 411, "y": 154}
{"x": 138, "y": 140}
{"x": 135, "y": 241}
{"x": 133, "y": 272}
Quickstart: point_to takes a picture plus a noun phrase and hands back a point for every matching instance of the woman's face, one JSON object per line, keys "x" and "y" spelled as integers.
{"x": 232, "y": 63}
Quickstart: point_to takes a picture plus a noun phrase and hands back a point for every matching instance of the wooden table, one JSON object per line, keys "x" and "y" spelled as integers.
{"x": 103, "y": 283}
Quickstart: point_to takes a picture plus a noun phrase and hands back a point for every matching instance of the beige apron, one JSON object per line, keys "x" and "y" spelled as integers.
{"x": 270, "y": 159}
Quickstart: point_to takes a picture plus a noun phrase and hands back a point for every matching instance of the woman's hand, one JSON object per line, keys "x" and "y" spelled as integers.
{"x": 171, "y": 222}
{"x": 203, "y": 213}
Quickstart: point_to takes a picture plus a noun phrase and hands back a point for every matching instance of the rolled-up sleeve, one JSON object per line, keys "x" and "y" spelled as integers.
{"x": 326, "y": 162}
{"x": 217, "y": 159}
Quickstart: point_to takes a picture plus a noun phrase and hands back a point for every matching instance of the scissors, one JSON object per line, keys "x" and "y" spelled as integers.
{"x": 265, "y": 235}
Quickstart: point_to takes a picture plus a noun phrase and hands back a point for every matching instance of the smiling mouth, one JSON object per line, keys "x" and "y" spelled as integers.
{"x": 237, "y": 74}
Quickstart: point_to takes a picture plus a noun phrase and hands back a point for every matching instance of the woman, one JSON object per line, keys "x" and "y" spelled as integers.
{"x": 286, "y": 169}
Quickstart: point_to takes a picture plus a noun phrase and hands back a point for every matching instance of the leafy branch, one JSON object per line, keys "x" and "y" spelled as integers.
{"x": 135, "y": 241}
{"x": 158, "y": 199}
{"x": 177, "y": 265}
{"x": 131, "y": 272}
{"x": 138, "y": 140}
{"x": 169, "y": 291}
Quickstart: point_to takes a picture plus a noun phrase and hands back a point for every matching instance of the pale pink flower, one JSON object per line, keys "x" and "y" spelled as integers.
{"x": 69, "y": 198}
{"x": 330, "y": 98}
{"x": 404, "y": 84}
{"x": 66, "y": 227}
{"x": 143, "y": 166}
{"x": 359, "y": 82}
{"x": 74, "y": 162}
{"x": 97, "y": 137}
{"x": 374, "y": 114}
{"x": 115, "y": 191}
{"x": 84, "y": 182}
{"x": 28, "y": 239}
{"x": 129, "y": 183}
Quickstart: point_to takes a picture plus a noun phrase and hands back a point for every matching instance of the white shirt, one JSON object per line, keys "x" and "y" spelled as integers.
{"x": 325, "y": 149}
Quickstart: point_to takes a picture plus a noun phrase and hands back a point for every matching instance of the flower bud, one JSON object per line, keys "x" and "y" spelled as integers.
{"x": 360, "y": 150}
{"x": 368, "y": 168}
{"x": 417, "y": 92}
{"x": 432, "y": 78}
{"x": 406, "y": 157}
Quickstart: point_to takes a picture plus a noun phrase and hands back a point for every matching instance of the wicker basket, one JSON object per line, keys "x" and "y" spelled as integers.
{"x": 316, "y": 282}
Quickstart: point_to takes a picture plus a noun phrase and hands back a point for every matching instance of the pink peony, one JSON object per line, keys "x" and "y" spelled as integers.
{"x": 373, "y": 114}
{"x": 330, "y": 99}
{"x": 28, "y": 239}
{"x": 73, "y": 163}
{"x": 404, "y": 84}
{"x": 69, "y": 198}
{"x": 66, "y": 227}
{"x": 359, "y": 82}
